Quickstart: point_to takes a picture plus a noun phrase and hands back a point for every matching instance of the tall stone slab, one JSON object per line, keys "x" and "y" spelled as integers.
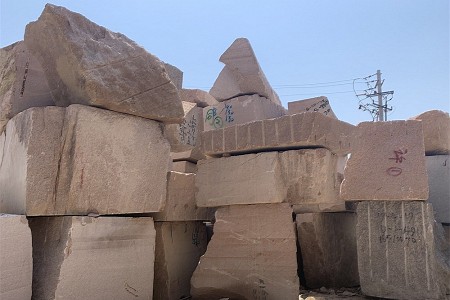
{"x": 201, "y": 98}
{"x": 438, "y": 169}
{"x": 22, "y": 82}
{"x": 242, "y": 74}
{"x": 16, "y": 262}
{"x": 301, "y": 177}
{"x": 179, "y": 246}
{"x": 317, "y": 104}
{"x": 387, "y": 163}
{"x": 436, "y": 131}
{"x": 180, "y": 203}
{"x": 252, "y": 255}
{"x": 328, "y": 249}
{"x": 304, "y": 130}
{"x": 90, "y": 65}
{"x": 240, "y": 110}
{"x": 93, "y": 258}
{"x": 397, "y": 255}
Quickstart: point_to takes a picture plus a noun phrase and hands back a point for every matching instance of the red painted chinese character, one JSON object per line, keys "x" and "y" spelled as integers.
{"x": 399, "y": 155}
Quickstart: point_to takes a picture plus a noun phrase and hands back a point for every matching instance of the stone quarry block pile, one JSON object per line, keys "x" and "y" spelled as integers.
{"x": 118, "y": 183}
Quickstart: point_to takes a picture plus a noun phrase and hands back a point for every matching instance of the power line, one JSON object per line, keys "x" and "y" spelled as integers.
{"x": 331, "y": 93}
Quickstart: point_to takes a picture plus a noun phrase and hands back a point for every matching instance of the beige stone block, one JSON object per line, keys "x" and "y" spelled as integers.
{"x": 387, "y": 163}
{"x": 184, "y": 167}
{"x": 23, "y": 82}
{"x": 305, "y": 130}
{"x": 242, "y": 74}
{"x": 90, "y": 65}
{"x": 180, "y": 203}
{"x": 240, "y": 110}
{"x": 192, "y": 155}
{"x": 16, "y": 262}
{"x": 317, "y": 104}
{"x": 201, "y": 98}
{"x": 300, "y": 177}
{"x": 74, "y": 257}
{"x": 175, "y": 75}
{"x": 438, "y": 170}
{"x": 328, "y": 249}
{"x": 179, "y": 246}
{"x": 252, "y": 255}
{"x": 436, "y": 131}
{"x": 29, "y": 164}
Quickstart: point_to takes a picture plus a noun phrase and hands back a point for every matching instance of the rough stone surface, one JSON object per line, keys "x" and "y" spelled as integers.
{"x": 252, "y": 255}
{"x": 74, "y": 257}
{"x": 192, "y": 155}
{"x": 201, "y": 98}
{"x": 328, "y": 249}
{"x": 397, "y": 255}
{"x": 16, "y": 262}
{"x": 22, "y": 82}
{"x": 436, "y": 131}
{"x": 29, "y": 161}
{"x": 300, "y": 177}
{"x": 387, "y": 163}
{"x": 242, "y": 74}
{"x": 438, "y": 168}
{"x": 180, "y": 203}
{"x": 184, "y": 167}
{"x": 179, "y": 246}
{"x": 240, "y": 110}
{"x": 305, "y": 130}
{"x": 318, "y": 104}
{"x": 175, "y": 75}
{"x": 88, "y": 64}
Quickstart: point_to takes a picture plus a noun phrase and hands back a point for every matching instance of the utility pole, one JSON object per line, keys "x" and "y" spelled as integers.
{"x": 380, "y": 97}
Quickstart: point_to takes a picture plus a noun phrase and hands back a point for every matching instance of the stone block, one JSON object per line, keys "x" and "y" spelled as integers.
{"x": 201, "y": 98}
{"x": 252, "y": 255}
{"x": 90, "y": 65}
{"x": 184, "y": 167}
{"x": 179, "y": 246}
{"x": 175, "y": 75}
{"x": 74, "y": 257}
{"x": 305, "y": 130}
{"x": 180, "y": 203}
{"x": 242, "y": 74}
{"x": 436, "y": 131}
{"x": 82, "y": 160}
{"x": 16, "y": 262}
{"x": 240, "y": 110}
{"x": 387, "y": 163}
{"x": 23, "y": 82}
{"x": 192, "y": 155}
{"x": 328, "y": 249}
{"x": 300, "y": 177}
{"x": 318, "y": 104}
{"x": 397, "y": 255}
{"x": 438, "y": 169}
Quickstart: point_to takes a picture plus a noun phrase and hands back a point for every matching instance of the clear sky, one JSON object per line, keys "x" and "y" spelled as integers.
{"x": 298, "y": 43}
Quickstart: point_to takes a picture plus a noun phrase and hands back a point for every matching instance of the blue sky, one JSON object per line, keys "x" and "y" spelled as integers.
{"x": 298, "y": 43}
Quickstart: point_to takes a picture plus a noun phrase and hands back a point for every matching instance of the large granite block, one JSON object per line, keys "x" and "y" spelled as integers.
{"x": 23, "y": 83}
{"x": 397, "y": 254}
{"x": 318, "y": 104}
{"x": 93, "y": 258}
{"x": 387, "y": 163}
{"x": 201, "y": 98}
{"x": 16, "y": 262}
{"x": 305, "y": 130}
{"x": 436, "y": 131}
{"x": 438, "y": 169}
{"x": 175, "y": 75}
{"x": 300, "y": 177}
{"x": 252, "y": 255}
{"x": 328, "y": 247}
{"x": 179, "y": 246}
{"x": 90, "y": 65}
{"x": 240, "y": 110}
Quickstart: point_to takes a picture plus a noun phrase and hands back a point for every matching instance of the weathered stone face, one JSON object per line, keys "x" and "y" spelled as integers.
{"x": 78, "y": 255}
{"x": 88, "y": 64}
{"x": 252, "y": 255}
{"x": 436, "y": 131}
{"x": 241, "y": 75}
{"x": 387, "y": 163}
{"x": 184, "y": 167}
{"x": 179, "y": 246}
{"x": 201, "y": 98}
{"x": 175, "y": 75}
{"x": 438, "y": 169}
{"x": 22, "y": 82}
{"x": 328, "y": 247}
{"x": 397, "y": 252}
{"x": 317, "y": 104}
{"x": 16, "y": 262}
